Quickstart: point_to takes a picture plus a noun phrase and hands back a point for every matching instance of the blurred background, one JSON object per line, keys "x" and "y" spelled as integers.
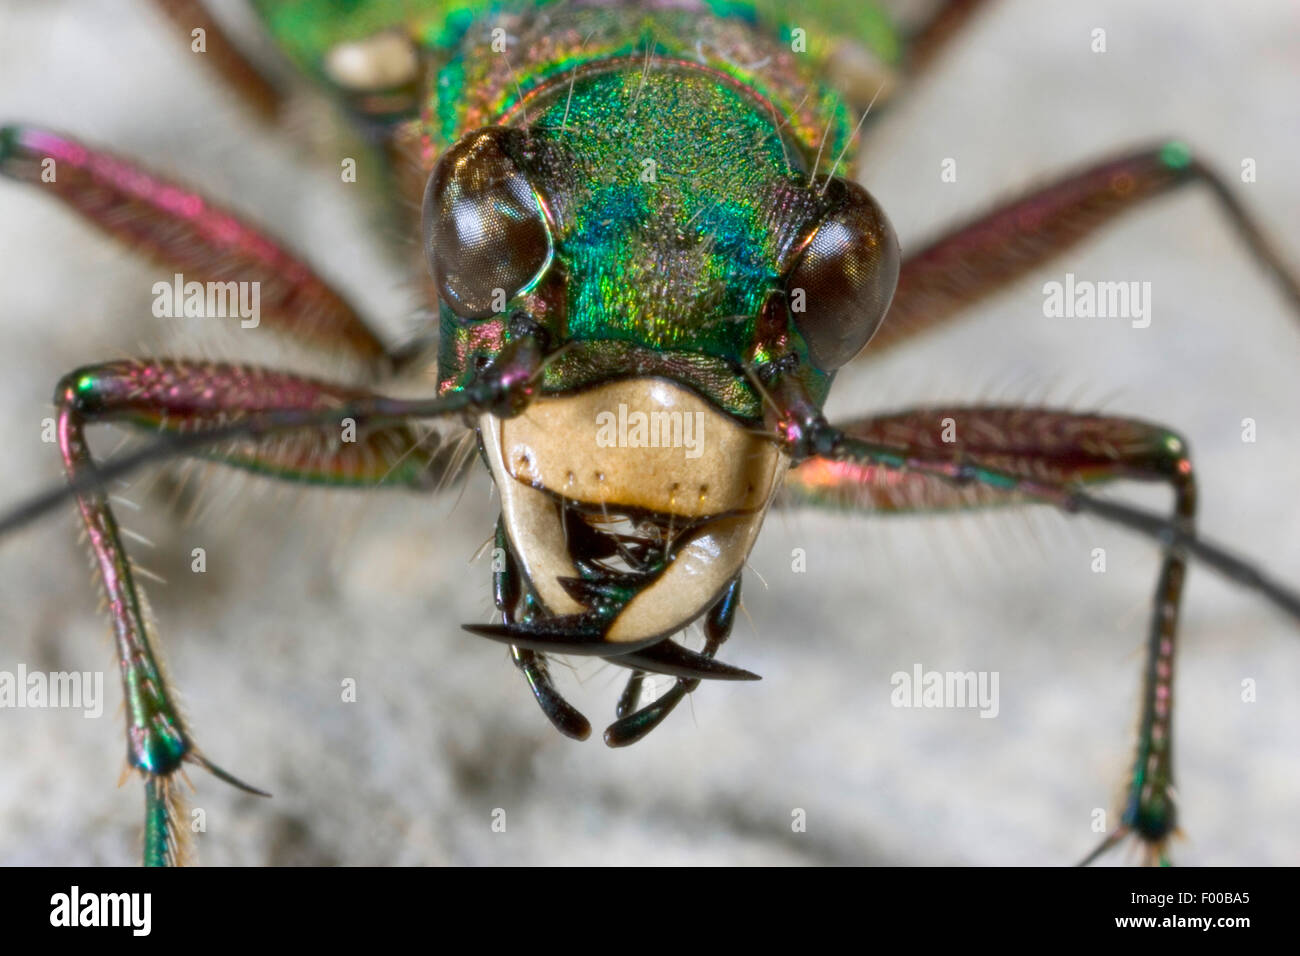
{"x": 305, "y": 588}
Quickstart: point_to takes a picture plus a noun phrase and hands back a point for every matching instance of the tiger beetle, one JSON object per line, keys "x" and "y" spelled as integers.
{"x": 648, "y": 266}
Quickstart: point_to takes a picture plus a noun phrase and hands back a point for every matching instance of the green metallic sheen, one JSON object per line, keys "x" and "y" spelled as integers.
{"x": 665, "y": 240}
{"x": 666, "y": 264}
{"x": 1176, "y": 155}
{"x": 157, "y": 823}
{"x": 306, "y": 30}
{"x": 675, "y": 180}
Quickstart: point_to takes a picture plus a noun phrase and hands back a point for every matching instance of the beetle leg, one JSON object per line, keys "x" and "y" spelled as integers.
{"x": 504, "y": 387}
{"x": 1043, "y": 448}
{"x": 930, "y": 38}
{"x": 185, "y": 233}
{"x": 180, "y": 398}
{"x": 991, "y": 252}
{"x": 221, "y": 53}
{"x": 631, "y": 727}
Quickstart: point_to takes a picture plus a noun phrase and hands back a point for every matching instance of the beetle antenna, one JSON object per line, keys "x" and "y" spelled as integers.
{"x": 1168, "y": 533}
{"x": 1172, "y": 537}
{"x": 262, "y": 424}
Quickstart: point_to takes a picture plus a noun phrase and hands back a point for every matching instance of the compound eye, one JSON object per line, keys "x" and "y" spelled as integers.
{"x": 842, "y": 283}
{"x": 485, "y": 234}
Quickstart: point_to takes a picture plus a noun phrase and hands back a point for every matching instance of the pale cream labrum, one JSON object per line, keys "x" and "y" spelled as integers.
{"x": 636, "y": 444}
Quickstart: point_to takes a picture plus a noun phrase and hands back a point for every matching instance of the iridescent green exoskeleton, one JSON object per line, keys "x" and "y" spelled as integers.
{"x": 648, "y": 265}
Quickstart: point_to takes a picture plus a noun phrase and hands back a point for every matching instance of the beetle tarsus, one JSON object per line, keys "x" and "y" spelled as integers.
{"x": 1154, "y": 851}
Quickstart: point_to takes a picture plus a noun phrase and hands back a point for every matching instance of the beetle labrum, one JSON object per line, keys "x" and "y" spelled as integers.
{"x": 576, "y": 279}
